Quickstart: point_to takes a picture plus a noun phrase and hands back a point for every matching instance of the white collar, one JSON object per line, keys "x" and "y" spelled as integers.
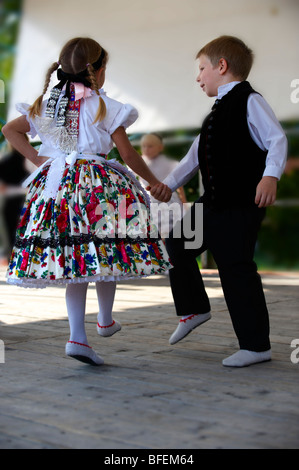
{"x": 224, "y": 89}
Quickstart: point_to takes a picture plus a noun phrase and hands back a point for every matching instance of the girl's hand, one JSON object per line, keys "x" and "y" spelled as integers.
{"x": 160, "y": 191}
{"x": 266, "y": 191}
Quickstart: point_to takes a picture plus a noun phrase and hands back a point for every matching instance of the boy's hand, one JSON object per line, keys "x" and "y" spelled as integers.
{"x": 266, "y": 191}
{"x": 160, "y": 191}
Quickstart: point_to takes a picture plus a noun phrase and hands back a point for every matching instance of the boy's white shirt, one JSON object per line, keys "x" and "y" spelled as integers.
{"x": 265, "y": 130}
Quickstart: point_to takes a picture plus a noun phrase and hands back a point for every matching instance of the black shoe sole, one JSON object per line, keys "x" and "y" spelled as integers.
{"x": 84, "y": 359}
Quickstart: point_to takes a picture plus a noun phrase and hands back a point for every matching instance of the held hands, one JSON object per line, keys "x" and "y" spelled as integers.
{"x": 160, "y": 191}
{"x": 266, "y": 191}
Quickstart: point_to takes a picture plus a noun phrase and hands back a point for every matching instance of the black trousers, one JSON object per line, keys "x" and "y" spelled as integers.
{"x": 230, "y": 235}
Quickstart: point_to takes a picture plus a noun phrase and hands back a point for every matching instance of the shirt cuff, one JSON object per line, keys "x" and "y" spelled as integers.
{"x": 170, "y": 181}
{"x": 274, "y": 171}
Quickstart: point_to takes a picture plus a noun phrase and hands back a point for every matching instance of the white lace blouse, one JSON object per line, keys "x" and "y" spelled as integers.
{"x": 92, "y": 138}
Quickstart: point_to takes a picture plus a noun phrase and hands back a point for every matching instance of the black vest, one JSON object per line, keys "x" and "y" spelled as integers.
{"x": 231, "y": 164}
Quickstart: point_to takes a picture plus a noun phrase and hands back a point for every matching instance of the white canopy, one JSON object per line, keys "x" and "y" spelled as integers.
{"x": 152, "y": 47}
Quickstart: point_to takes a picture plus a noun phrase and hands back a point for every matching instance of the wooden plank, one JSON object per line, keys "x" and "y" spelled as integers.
{"x": 148, "y": 395}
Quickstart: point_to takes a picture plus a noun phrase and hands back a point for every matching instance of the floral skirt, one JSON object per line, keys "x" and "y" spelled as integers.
{"x": 97, "y": 229}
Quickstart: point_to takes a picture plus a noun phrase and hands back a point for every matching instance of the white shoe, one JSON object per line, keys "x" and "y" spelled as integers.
{"x": 244, "y": 358}
{"x": 186, "y": 326}
{"x": 83, "y": 353}
{"x": 108, "y": 330}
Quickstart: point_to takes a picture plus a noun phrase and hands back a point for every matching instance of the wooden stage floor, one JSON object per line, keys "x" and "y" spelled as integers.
{"x": 148, "y": 394}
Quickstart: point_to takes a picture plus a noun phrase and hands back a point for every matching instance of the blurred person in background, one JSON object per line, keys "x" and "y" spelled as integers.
{"x": 161, "y": 166}
{"x": 13, "y": 171}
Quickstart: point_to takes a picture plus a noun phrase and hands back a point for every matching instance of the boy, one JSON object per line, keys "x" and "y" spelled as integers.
{"x": 241, "y": 153}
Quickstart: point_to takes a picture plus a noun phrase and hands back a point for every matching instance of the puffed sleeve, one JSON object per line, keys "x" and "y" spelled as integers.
{"x": 23, "y": 108}
{"x": 122, "y": 115}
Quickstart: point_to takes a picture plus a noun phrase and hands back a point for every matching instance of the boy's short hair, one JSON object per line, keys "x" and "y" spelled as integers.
{"x": 238, "y": 56}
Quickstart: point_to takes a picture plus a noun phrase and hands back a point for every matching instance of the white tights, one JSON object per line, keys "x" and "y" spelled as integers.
{"x": 76, "y": 304}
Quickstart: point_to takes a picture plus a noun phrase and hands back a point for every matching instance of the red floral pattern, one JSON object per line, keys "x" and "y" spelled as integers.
{"x": 74, "y": 237}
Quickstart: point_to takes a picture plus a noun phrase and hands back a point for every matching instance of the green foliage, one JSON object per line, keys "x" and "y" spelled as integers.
{"x": 291, "y": 128}
{"x": 278, "y": 245}
{"x": 10, "y": 13}
{"x": 278, "y": 239}
{"x": 288, "y": 186}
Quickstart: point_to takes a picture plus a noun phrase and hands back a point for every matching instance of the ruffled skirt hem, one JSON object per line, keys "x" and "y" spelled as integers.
{"x": 43, "y": 283}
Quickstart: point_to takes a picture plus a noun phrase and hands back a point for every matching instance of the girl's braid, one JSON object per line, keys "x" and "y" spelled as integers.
{"x": 101, "y": 113}
{"x": 35, "y": 108}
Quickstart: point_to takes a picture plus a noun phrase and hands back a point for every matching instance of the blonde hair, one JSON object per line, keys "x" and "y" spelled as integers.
{"x": 77, "y": 55}
{"x": 238, "y": 56}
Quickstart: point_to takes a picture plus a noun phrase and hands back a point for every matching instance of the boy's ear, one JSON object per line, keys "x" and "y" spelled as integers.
{"x": 222, "y": 66}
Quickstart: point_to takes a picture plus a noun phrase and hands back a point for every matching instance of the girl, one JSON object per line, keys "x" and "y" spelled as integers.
{"x": 85, "y": 217}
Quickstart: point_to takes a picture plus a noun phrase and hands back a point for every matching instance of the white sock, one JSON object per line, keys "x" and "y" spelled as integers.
{"x": 243, "y": 358}
{"x": 106, "y": 294}
{"x": 75, "y": 296}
